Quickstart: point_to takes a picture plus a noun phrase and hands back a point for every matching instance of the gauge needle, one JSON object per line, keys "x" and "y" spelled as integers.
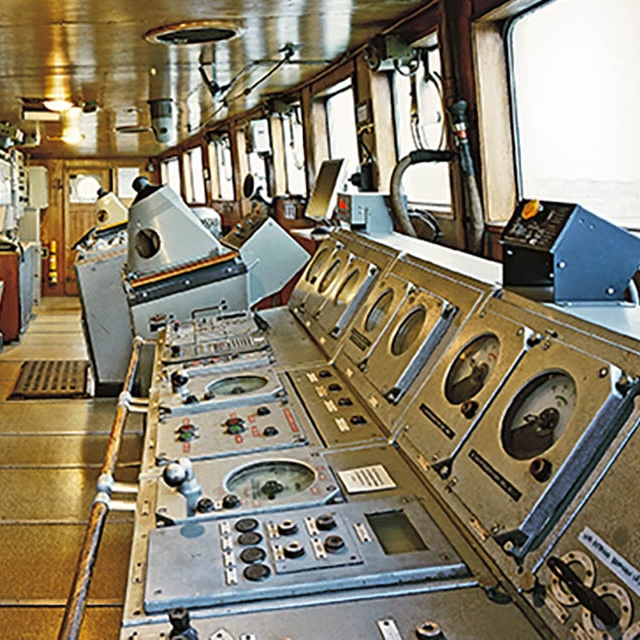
{"x": 543, "y": 423}
{"x": 469, "y": 386}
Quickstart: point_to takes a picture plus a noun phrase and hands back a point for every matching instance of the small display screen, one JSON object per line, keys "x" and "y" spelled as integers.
{"x": 395, "y": 532}
{"x": 325, "y": 191}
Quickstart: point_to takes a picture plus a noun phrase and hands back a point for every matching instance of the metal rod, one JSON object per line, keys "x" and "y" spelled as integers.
{"x": 77, "y": 601}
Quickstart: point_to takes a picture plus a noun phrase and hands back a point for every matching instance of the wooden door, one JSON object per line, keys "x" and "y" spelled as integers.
{"x": 81, "y": 192}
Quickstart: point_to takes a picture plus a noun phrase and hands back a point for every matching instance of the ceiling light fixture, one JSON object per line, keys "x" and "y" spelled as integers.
{"x": 59, "y": 105}
{"x": 193, "y": 32}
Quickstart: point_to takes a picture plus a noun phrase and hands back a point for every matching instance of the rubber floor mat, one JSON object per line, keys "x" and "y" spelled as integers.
{"x": 51, "y": 379}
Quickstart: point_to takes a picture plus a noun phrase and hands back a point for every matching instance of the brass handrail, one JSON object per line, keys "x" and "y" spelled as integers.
{"x": 77, "y": 601}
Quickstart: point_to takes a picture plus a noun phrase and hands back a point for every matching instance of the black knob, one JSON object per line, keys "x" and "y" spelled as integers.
{"x": 176, "y": 350}
{"x": 250, "y": 539}
{"x": 271, "y": 488}
{"x": 251, "y": 555}
{"x": 469, "y": 408}
{"x": 357, "y": 419}
{"x": 334, "y": 386}
{"x": 178, "y": 380}
{"x": 230, "y": 501}
{"x": 325, "y": 373}
{"x": 287, "y": 528}
{"x": 326, "y": 522}
{"x": 180, "y": 625}
{"x": 191, "y": 399}
{"x": 334, "y": 544}
{"x": 270, "y": 431}
{"x": 540, "y": 469}
{"x": 246, "y": 524}
{"x": 263, "y": 411}
{"x": 345, "y": 402}
{"x": 293, "y": 550}
{"x": 256, "y": 572}
{"x": 205, "y": 505}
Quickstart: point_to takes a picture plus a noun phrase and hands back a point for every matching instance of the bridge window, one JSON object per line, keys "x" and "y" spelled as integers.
{"x": 292, "y": 134}
{"x": 170, "y": 173}
{"x": 421, "y": 124}
{"x": 221, "y": 168}
{"x": 194, "y": 174}
{"x": 341, "y": 126}
{"x": 259, "y": 154}
{"x": 576, "y": 96}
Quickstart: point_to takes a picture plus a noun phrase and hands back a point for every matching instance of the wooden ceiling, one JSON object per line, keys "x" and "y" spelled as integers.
{"x": 94, "y": 53}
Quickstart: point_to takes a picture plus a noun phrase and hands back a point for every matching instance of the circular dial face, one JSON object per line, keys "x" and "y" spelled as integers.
{"x": 330, "y": 276}
{"x": 538, "y": 415}
{"x": 471, "y": 369}
{"x": 271, "y": 480}
{"x": 236, "y": 385}
{"x": 316, "y": 265}
{"x": 348, "y": 288}
{"x": 379, "y": 311}
{"x": 408, "y": 331}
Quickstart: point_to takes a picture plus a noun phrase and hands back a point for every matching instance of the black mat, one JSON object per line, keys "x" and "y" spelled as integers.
{"x": 40, "y": 379}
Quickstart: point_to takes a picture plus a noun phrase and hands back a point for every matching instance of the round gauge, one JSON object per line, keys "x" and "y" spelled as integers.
{"x": 236, "y": 385}
{"x": 379, "y": 311}
{"x": 538, "y": 415}
{"x": 316, "y": 265}
{"x": 270, "y": 480}
{"x": 330, "y": 276}
{"x": 472, "y": 368}
{"x": 348, "y": 288}
{"x": 408, "y": 331}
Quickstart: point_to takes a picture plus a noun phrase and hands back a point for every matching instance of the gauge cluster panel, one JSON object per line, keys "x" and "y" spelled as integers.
{"x": 533, "y": 447}
{"x": 224, "y": 390}
{"x": 463, "y": 384}
{"x": 254, "y": 483}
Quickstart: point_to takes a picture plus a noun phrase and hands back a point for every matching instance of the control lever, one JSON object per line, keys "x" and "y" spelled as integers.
{"x": 179, "y": 475}
{"x": 586, "y": 596}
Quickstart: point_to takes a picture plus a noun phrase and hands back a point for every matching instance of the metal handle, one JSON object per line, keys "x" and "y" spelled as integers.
{"x": 586, "y": 597}
{"x": 77, "y": 601}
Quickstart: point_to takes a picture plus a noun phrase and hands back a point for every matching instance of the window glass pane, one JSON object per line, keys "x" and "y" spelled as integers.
{"x": 341, "y": 122}
{"x": 225, "y": 167}
{"x": 294, "y": 153}
{"x": 420, "y": 124}
{"x": 576, "y": 101}
{"x": 83, "y": 188}
{"x": 197, "y": 175}
{"x": 126, "y": 176}
{"x": 258, "y": 149}
{"x": 172, "y": 174}
{"x": 186, "y": 172}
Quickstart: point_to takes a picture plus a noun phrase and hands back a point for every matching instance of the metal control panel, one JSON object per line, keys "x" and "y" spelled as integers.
{"x": 454, "y": 447}
{"x": 218, "y": 433}
{"x": 335, "y": 408}
{"x": 545, "y": 244}
{"x": 324, "y": 549}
